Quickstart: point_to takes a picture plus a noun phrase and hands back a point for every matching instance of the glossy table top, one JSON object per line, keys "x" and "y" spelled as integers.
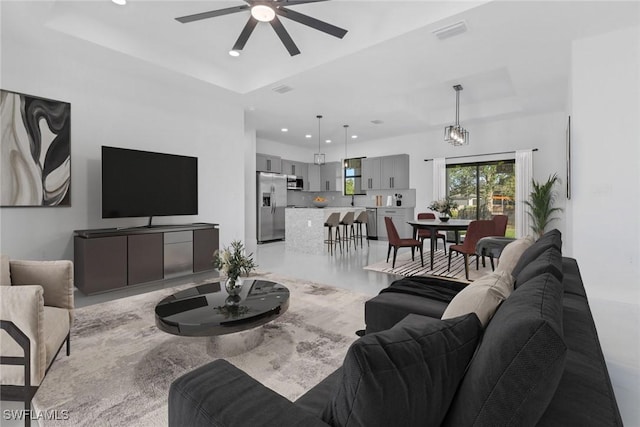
{"x": 208, "y": 310}
{"x": 430, "y": 223}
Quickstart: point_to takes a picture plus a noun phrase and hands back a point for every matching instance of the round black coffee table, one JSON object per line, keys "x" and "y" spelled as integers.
{"x": 207, "y": 310}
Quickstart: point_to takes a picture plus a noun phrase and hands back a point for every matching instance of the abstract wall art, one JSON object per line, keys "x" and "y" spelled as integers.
{"x": 35, "y": 151}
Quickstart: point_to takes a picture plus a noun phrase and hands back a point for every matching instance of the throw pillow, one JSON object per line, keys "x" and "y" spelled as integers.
{"x": 550, "y": 239}
{"x": 512, "y": 253}
{"x": 550, "y": 261}
{"x": 406, "y": 375}
{"x": 481, "y": 297}
{"x": 516, "y": 370}
{"x": 5, "y": 276}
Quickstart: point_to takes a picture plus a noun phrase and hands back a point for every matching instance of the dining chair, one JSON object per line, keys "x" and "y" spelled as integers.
{"x": 426, "y": 234}
{"x": 500, "y": 224}
{"x": 396, "y": 242}
{"x": 477, "y": 230}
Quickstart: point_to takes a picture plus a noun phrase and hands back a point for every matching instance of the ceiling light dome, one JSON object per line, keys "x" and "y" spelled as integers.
{"x": 263, "y": 13}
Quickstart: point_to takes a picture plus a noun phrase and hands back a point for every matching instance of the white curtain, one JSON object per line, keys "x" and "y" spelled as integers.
{"x": 439, "y": 178}
{"x": 524, "y": 173}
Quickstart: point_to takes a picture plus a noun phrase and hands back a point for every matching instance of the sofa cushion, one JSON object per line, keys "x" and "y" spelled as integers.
{"x": 518, "y": 365}
{"x": 550, "y": 239}
{"x": 512, "y": 253}
{"x": 387, "y": 309}
{"x": 481, "y": 297}
{"x": 550, "y": 261}
{"x": 5, "y": 277}
{"x": 406, "y": 375}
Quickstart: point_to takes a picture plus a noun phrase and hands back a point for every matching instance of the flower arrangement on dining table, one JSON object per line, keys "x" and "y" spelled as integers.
{"x": 444, "y": 206}
{"x": 233, "y": 262}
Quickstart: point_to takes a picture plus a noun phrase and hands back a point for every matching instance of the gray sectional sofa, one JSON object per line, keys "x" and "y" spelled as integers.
{"x": 538, "y": 361}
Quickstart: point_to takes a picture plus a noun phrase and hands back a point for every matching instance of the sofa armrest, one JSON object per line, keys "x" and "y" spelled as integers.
{"x": 24, "y": 306}
{"x": 219, "y": 394}
{"x": 55, "y": 277}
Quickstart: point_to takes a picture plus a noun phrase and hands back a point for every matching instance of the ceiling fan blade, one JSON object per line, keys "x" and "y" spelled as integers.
{"x": 212, "y": 14}
{"x": 246, "y": 32}
{"x": 294, "y": 2}
{"x": 284, "y": 36}
{"x": 311, "y": 22}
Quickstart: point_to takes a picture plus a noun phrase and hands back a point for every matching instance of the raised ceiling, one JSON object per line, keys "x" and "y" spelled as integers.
{"x": 513, "y": 60}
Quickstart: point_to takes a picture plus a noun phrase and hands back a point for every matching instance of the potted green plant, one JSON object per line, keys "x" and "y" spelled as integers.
{"x": 540, "y": 203}
{"x": 233, "y": 262}
{"x": 444, "y": 208}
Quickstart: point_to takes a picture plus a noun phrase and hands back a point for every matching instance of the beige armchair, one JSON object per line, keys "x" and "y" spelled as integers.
{"x": 36, "y": 313}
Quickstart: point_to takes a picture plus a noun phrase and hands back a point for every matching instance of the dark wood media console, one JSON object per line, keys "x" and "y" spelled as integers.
{"x": 112, "y": 258}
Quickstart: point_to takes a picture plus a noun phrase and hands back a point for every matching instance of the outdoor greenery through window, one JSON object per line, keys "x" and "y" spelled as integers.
{"x": 353, "y": 177}
{"x": 482, "y": 190}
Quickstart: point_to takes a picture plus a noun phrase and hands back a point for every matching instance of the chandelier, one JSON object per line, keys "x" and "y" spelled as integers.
{"x": 318, "y": 158}
{"x": 456, "y": 134}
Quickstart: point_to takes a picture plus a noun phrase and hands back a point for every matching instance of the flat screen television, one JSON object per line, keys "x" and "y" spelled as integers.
{"x": 147, "y": 184}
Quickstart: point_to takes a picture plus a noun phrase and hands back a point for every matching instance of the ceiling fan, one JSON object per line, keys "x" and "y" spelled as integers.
{"x": 268, "y": 11}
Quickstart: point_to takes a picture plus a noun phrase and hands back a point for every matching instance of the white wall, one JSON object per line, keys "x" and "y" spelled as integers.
{"x": 606, "y": 135}
{"x": 545, "y": 132}
{"x": 118, "y": 101}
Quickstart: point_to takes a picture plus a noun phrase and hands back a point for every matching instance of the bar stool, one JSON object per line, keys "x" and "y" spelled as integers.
{"x": 348, "y": 231}
{"x": 362, "y": 218}
{"x": 333, "y": 221}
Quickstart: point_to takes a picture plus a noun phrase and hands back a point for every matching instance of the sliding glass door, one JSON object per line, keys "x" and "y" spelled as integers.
{"x": 482, "y": 190}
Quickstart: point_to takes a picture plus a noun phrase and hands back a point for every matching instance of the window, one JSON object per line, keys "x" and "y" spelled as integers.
{"x": 482, "y": 190}
{"x": 353, "y": 177}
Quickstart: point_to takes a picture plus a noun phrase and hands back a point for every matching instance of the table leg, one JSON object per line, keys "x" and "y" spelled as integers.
{"x": 434, "y": 232}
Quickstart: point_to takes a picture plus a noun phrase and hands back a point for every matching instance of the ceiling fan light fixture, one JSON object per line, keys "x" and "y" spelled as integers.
{"x": 263, "y": 13}
{"x": 234, "y": 53}
{"x": 120, "y": 2}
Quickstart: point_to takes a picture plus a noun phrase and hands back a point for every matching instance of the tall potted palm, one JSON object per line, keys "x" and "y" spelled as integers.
{"x": 541, "y": 201}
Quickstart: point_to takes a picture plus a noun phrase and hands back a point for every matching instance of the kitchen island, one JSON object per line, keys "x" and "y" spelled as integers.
{"x": 305, "y": 231}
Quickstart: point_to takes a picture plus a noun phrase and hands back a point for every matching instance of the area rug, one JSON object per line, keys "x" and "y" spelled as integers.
{"x": 406, "y": 267}
{"x": 121, "y": 364}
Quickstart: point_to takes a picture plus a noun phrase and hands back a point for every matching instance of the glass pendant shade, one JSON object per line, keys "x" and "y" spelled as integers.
{"x": 455, "y": 134}
{"x": 318, "y": 158}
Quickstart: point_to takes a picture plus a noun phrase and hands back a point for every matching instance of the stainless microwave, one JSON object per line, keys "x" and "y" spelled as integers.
{"x": 294, "y": 182}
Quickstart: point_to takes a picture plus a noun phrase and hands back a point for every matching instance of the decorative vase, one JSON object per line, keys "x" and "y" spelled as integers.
{"x": 233, "y": 285}
{"x": 443, "y": 217}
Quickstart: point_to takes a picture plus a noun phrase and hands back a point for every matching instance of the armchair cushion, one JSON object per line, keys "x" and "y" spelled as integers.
{"x": 5, "y": 277}
{"x": 24, "y": 306}
{"x": 55, "y": 277}
{"x": 56, "y": 328}
{"x": 406, "y": 375}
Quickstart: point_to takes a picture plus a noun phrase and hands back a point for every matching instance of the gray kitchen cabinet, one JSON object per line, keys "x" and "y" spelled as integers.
{"x": 330, "y": 176}
{"x": 370, "y": 173}
{"x": 394, "y": 172}
{"x": 299, "y": 169}
{"x": 400, "y": 216}
{"x": 312, "y": 183}
{"x": 268, "y": 163}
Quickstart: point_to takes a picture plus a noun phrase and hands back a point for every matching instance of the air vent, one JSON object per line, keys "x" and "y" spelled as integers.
{"x": 377, "y": 122}
{"x": 282, "y": 89}
{"x": 451, "y": 30}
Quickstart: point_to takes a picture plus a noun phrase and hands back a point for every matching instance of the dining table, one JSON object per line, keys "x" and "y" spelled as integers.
{"x": 435, "y": 225}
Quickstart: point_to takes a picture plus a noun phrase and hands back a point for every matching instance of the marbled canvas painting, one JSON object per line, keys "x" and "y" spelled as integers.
{"x": 35, "y": 151}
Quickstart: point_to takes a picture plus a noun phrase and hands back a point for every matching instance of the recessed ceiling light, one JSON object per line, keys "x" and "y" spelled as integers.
{"x": 354, "y": 136}
{"x": 307, "y": 136}
{"x": 328, "y": 141}
{"x": 120, "y": 2}
{"x": 234, "y": 52}
{"x": 284, "y": 130}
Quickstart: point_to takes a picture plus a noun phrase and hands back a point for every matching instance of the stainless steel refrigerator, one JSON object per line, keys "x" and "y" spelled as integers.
{"x": 272, "y": 199}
